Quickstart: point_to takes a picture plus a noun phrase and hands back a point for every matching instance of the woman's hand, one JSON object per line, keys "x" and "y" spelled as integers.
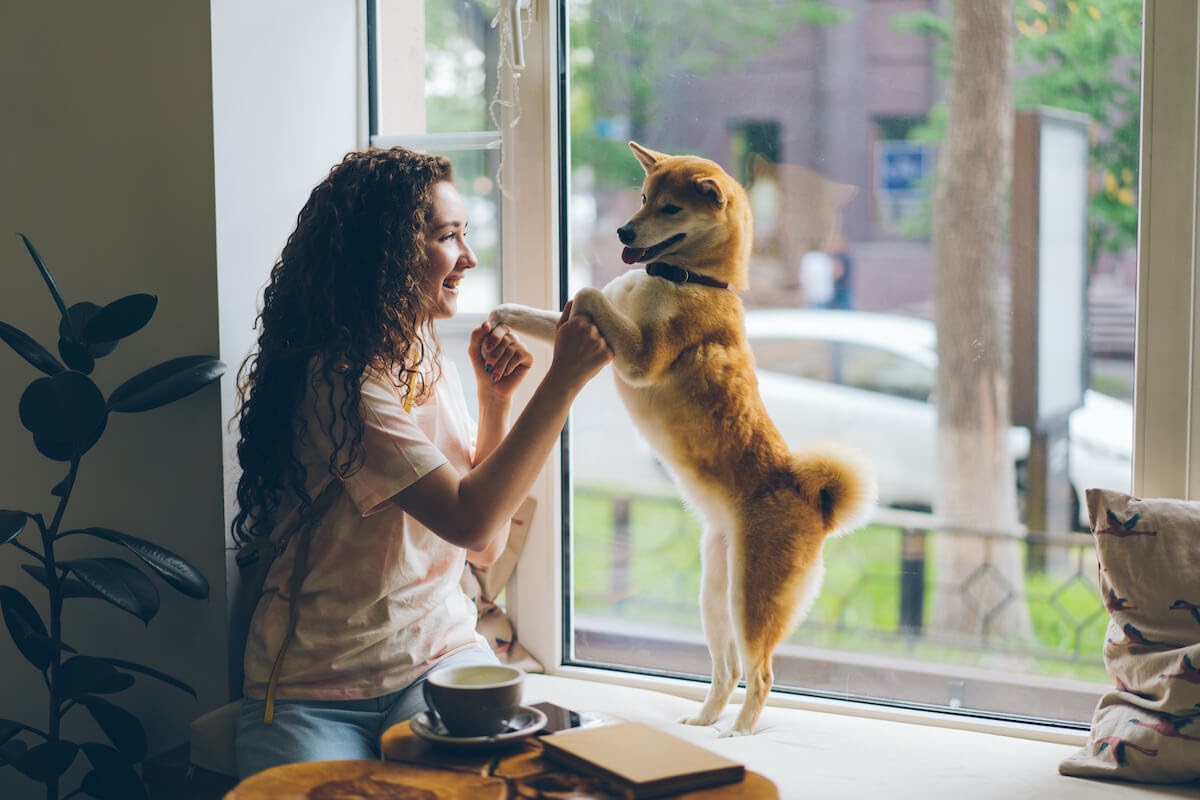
{"x": 500, "y": 359}
{"x": 579, "y": 350}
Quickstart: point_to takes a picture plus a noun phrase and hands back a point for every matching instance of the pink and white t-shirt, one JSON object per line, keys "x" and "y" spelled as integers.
{"x": 382, "y": 601}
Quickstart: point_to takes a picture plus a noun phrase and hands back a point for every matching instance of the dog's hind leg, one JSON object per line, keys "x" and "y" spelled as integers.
{"x": 769, "y": 597}
{"x": 718, "y": 628}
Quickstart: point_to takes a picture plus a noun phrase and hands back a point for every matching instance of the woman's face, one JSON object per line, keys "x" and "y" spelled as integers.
{"x": 447, "y": 254}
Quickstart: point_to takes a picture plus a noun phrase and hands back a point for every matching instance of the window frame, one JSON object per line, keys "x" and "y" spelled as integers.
{"x": 1167, "y": 365}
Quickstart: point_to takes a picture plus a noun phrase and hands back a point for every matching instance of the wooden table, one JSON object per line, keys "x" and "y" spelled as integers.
{"x": 527, "y": 773}
{"x": 414, "y": 769}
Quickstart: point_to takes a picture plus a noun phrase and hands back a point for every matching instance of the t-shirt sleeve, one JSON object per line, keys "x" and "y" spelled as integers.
{"x": 397, "y": 452}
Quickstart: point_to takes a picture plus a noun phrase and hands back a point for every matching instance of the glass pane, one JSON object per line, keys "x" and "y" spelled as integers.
{"x": 834, "y": 116}
{"x": 475, "y": 176}
{"x": 447, "y": 112}
{"x": 460, "y": 56}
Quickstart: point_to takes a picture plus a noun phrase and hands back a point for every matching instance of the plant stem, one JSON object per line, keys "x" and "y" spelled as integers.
{"x": 53, "y": 583}
{"x": 28, "y": 550}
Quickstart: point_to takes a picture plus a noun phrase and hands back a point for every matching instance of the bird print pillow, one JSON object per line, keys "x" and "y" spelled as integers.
{"x": 1147, "y": 728}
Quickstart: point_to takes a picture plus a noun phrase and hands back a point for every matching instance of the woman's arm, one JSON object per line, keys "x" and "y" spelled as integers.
{"x": 474, "y": 510}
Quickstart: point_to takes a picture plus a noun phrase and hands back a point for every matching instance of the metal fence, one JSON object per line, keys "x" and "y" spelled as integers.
{"x": 636, "y": 558}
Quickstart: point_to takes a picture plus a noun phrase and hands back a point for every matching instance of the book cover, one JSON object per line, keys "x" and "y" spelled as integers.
{"x": 646, "y": 760}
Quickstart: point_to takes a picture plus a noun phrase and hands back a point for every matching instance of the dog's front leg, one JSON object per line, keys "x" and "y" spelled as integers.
{"x": 531, "y": 321}
{"x": 634, "y": 356}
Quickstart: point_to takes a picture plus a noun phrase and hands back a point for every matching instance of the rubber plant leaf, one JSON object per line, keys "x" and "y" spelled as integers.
{"x": 148, "y": 671}
{"x": 11, "y": 525}
{"x": 9, "y": 728}
{"x": 46, "y": 276}
{"x": 63, "y": 411}
{"x": 26, "y": 627}
{"x": 47, "y": 761}
{"x": 70, "y": 587}
{"x": 118, "y": 582}
{"x": 80, "y": 316}
{"x": 112, "y": 776}
{"x": 54, "y": 449}
{"x": 76, "y": 356}
{"x": 120, "y": 318}
{"x": 172, "y": 568}
{"x": 165, "y": 383}
{"x": 11, "y": 751}
{"x": 122, "y": 728}
{"x": 80, "y": 675}
{"x": 30, "y": 350}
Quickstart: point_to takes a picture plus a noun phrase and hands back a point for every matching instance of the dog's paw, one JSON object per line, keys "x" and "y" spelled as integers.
{"x": 729, "y": 733}
{"x": 523, "y": 319}
{"x": 696, "y": 719}
{"x": 500, "y": 315}
{"x": 586, "y": 300}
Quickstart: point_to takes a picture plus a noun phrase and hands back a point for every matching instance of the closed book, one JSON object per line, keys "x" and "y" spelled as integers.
{"x": 641, "y": 759}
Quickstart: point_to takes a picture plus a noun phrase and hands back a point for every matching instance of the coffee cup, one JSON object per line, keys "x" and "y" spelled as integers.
{"x": 474, "y": 700}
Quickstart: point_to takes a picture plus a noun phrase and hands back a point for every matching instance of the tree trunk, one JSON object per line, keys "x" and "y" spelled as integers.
{"x": 979, "y": 580}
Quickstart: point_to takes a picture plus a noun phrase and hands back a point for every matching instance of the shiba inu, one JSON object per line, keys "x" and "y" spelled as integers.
{"x": 685, "y": 372}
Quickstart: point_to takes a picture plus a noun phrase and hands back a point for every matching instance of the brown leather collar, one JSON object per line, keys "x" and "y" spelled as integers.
{"x": 661, "y": 269}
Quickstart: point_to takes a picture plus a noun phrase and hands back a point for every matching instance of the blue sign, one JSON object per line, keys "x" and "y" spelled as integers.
{"x": 902, "y": 168}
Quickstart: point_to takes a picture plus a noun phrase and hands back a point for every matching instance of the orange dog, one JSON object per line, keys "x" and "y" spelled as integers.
{"x": 686, "y": 375}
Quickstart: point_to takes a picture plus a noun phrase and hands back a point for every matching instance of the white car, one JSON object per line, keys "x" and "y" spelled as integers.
{"x": 868, "y": 378}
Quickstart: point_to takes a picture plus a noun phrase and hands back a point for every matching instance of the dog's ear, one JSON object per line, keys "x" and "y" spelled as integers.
{"x": 710, "y": 188}
{"x": 648, "y": 158}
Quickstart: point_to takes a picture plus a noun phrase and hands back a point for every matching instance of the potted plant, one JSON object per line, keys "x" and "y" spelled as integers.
{"x": 67, "y": 413}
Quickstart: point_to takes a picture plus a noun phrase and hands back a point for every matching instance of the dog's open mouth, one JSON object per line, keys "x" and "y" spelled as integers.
{"x": 632, "y": 255}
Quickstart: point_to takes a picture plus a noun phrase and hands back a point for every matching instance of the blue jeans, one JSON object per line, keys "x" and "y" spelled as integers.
{"x": 314, "y": 730}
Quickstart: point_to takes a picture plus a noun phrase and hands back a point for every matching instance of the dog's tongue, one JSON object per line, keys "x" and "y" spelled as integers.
{"x": 631, "y": 255}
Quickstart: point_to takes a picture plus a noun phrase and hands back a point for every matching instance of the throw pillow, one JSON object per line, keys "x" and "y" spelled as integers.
{"x": 1148, "y": 727}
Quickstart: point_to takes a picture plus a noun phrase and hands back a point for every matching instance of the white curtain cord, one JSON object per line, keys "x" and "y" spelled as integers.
{"x": 509, "y": 63}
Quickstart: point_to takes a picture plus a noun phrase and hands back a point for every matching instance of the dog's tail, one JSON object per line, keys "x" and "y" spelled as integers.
{"x": 843, "y": 484}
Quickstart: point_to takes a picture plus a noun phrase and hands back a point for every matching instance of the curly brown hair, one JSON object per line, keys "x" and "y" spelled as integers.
{"x": 343, "y": 298}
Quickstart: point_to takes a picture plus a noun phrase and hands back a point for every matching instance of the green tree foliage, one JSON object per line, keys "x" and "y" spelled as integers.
{"x": 1085, "y": 56}
{"x": 1080, "y": 56}
{"x": 459, "y": 51}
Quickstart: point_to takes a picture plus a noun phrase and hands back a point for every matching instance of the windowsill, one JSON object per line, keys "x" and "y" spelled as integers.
{"x": 692, "y": 690}
{"x": 814, "y": 748}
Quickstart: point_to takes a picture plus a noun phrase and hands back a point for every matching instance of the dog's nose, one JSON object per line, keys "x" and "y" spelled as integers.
{"x": 626, "y": 234}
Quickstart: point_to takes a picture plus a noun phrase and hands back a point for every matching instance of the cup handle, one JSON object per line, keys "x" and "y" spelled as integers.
{"x": 434, "y": 717}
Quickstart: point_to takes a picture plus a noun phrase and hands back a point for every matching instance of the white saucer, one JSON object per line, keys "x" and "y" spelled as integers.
{"x": 436, "y": 732}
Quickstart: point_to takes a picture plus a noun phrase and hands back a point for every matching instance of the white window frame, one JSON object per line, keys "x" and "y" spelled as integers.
{"x": 1167, "y": 364}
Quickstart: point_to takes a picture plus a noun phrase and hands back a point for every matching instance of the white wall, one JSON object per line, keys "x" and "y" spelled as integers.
{"x": 285, "y": 109}
{"x": 163, "y": 148}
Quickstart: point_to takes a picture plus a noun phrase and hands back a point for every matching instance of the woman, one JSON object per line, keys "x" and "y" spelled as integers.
{"x": 347, "y": 389}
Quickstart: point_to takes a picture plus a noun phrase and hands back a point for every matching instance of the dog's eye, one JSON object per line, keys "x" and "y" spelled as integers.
{"x": 643, "y": 199}
{"x": 671, "y": 209}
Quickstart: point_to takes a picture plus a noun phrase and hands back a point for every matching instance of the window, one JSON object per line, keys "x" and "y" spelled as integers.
{"x": 628, "y": 562}
{"x": 449, "y": 112}
{"x": 837, "y": 147}
{"x": 444, "y": 77}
